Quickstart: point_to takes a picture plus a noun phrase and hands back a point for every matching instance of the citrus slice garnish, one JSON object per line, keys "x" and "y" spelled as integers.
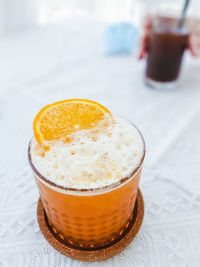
{"x": 60, "y": 119}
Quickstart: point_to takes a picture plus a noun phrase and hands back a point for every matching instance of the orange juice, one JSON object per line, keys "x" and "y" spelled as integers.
{"x": 88, "y": 186}
{"x": 89, "y": 219}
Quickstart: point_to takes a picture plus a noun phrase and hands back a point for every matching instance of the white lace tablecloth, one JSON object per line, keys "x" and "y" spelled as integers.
{"x": 66, "y": 60}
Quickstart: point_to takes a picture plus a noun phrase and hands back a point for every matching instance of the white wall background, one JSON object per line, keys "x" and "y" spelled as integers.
{"x": 19, "y": 14}
{"x": 109, "y": 10}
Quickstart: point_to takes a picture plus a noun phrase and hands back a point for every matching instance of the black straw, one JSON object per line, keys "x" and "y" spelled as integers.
{"x": 183, "y": 14}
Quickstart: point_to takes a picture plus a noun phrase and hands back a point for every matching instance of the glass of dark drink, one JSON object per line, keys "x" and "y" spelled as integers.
{"x": 165, "y": 48}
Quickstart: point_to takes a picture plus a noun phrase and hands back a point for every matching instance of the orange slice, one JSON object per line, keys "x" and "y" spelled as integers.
{"x": 58, "y": 120}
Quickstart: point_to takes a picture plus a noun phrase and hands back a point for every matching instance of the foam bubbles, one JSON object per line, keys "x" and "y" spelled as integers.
{"x": 91, "y": 161}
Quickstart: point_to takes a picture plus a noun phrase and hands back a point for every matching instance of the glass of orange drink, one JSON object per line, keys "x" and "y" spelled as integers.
{"x": 87, "y": 165}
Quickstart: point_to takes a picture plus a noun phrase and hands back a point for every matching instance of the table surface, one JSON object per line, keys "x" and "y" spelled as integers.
{"x": 65, "y": 60}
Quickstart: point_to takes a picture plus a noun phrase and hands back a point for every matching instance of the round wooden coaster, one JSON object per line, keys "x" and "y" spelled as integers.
{"x": 97, "y": 254}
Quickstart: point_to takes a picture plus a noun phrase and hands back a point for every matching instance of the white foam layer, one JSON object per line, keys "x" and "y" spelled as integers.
{"x": 89, "y": 162}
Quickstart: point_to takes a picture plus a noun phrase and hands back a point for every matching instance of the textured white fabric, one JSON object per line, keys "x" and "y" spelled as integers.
{"x": 65, "y": 61}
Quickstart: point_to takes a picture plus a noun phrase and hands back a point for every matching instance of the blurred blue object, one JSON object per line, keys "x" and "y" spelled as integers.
{"x": 120, "y": 38}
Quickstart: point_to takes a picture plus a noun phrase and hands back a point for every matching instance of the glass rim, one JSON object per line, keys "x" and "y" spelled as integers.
{"x": 173, "y": 25}
{"x": 88, "y": 190}
{"x": 165, "y": 10}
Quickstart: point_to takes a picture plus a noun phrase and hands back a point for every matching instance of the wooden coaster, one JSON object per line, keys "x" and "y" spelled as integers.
{"x": 97, "y": 254}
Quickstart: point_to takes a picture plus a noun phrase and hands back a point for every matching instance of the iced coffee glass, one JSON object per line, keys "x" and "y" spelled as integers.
{"x": 165, "y": 48}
